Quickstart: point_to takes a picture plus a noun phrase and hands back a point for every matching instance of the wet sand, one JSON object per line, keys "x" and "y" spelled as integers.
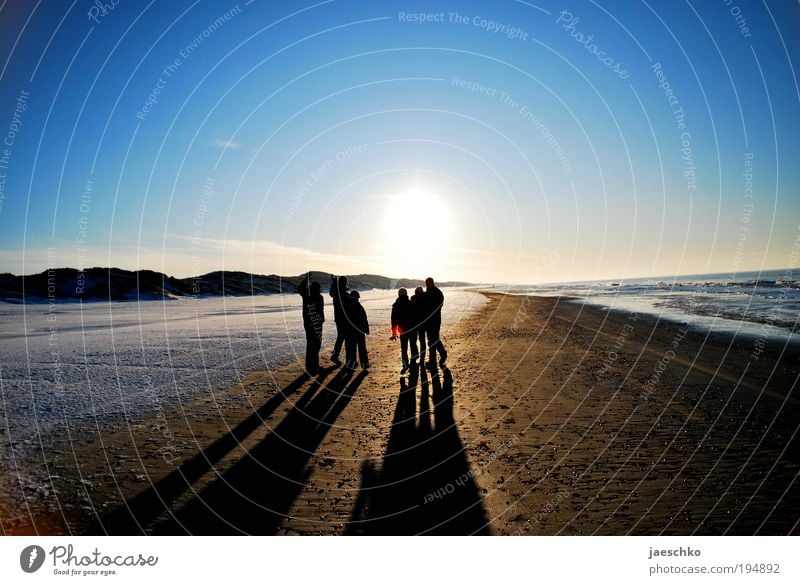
{"x": 552, "y": 418}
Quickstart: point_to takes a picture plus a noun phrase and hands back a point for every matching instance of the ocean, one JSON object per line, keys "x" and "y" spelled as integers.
{"x": 763, "y": 304}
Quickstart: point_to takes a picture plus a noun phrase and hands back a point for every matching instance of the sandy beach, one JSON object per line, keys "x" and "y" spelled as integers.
{"x": 552, "y": 418}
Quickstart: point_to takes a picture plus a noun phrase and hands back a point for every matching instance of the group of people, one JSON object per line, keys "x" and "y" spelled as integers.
{"x": 416, "y": 322}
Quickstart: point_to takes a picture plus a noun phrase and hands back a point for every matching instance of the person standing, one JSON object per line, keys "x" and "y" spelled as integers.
{"x": 313, "y": 318}
{"x": 402, "y": 326}
{"x": 357, "y": 337}
{"x": 434, "y": 300}
{"x": 418, "y": 325}
{"x": 341, "y": 300}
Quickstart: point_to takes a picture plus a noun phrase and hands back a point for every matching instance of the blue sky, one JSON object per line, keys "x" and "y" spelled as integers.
{"x": 339, "y": 136}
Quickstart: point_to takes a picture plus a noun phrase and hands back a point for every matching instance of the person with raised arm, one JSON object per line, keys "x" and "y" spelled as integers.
{"x": 313, "y": 318}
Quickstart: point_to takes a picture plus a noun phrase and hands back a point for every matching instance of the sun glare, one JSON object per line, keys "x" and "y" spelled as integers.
{"x": 417, "y": 234}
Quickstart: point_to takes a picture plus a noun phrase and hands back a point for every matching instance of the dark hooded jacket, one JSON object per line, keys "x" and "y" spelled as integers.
{"x": 417, "y": 312}
{"x": 341, "y": 300}
{"x": 403, "y": 315}
{"x": 433, "y": 301}
{"x": 313, "y": 306}
{"x": 358, "y": 317}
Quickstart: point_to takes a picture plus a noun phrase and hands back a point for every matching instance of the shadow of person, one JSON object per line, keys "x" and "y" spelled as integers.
{"x": 136, "y": 514}
{"x": 425, "y": 484}
{"x": 255, "y": 494}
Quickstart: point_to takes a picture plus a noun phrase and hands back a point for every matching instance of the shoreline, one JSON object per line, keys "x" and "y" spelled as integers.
{"x": 781, "y": 334}
{"x": 541, "y": 432}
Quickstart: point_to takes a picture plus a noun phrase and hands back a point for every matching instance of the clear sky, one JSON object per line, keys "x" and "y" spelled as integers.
{"x": 501, "y": 141}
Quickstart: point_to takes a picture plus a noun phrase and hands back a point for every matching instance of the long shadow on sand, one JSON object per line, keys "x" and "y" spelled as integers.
{"x": 254, "y": 494}
{"x": 136, "y": 514}
{"x": 424, "y": 485}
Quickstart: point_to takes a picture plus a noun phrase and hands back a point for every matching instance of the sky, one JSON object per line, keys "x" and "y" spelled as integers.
{"x": 502, "y": 142}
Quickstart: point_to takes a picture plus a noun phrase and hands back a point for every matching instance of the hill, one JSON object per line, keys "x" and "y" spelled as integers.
{"x": 118, "y": 284}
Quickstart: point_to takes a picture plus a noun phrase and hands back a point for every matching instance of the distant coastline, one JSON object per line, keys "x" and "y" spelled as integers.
{"x": 116, "y": 284}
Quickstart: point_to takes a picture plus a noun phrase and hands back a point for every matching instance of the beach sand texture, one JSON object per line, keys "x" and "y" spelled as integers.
{"x": 552, "y": 418}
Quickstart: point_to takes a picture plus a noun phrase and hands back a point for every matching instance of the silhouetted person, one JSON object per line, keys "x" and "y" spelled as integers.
{"x": 313, "y": 318}
{"x": 434, "y": 300}
{"x": 403, "y": 326}
{"x": 341, "y": 300}
{"x": 417, "y": 325}
{"x": 357, "y": 334}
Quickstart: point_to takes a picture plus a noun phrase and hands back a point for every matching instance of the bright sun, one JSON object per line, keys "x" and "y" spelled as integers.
{"x": 417, "y": 234}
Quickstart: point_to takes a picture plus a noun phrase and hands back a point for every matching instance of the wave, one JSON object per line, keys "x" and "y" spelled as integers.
{"x": 750, "y": 302}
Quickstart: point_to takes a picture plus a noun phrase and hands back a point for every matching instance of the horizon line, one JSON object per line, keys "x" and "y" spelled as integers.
{"x": 790, "y": 269}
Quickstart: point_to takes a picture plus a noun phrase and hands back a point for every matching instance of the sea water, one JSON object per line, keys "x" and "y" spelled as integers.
{"x": 762, "y": 304}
